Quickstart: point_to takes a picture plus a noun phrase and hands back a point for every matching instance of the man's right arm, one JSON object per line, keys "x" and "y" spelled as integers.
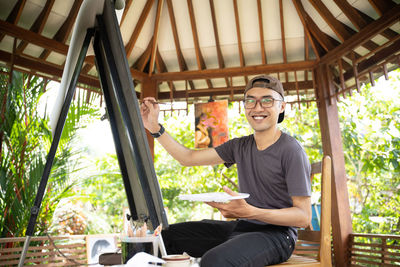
{"x": 184, "y": 155}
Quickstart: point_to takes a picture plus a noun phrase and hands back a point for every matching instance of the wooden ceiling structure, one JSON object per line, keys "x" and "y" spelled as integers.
{"x": 191, "y": 50}
{"x": 194, "y": 49}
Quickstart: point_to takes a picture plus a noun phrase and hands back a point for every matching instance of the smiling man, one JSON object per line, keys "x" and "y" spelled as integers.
{"x": 272, "y": 167}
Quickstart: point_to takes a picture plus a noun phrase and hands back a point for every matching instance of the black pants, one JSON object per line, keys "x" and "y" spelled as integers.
{"x": 230, "y": 243}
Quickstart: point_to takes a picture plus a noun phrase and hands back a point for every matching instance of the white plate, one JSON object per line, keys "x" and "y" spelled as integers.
{"x": 213, "y": 197}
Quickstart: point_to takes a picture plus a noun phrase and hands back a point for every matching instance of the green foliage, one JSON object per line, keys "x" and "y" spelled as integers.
{"x": 21, "y": 133}
{"x": 104, "y": 195}
{"x": 25, "y": 139}
{"x": 176, "y": 180}
{"x": 92, "y": 194}
{"x": 371, "y": 140}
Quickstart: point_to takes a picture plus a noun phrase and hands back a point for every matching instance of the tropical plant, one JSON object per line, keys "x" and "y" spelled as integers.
{"x": 103, "y": 196}
{"x": 371, "y": 139}
{"x": 25, "y": 140}
{"x": 22, "y": 132}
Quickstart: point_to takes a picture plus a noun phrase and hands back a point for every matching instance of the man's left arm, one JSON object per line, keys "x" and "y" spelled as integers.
{"x": 299, "y": 215}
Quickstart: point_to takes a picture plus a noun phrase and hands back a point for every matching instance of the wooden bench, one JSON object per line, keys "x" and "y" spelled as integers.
{"x": 313, "y": 248}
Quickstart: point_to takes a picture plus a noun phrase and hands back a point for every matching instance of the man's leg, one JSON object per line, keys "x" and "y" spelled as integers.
{"x": 195, "y": 238}
{"x": 251, "y": 249}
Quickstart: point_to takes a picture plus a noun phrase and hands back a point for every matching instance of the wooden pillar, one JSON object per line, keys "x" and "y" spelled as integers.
{"x": 149, "y": 88}
{"x": 332, "y": 145}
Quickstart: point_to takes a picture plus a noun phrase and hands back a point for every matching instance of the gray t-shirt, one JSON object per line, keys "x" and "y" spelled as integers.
{"x": 270, "y": 176}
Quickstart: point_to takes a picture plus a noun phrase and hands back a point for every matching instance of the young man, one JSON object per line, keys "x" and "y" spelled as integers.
{"x": 272, "y": 167}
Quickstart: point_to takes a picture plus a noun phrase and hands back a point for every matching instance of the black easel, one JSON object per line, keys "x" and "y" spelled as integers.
{"x": 137, "y": 170}
{"x": 53, "y": 148}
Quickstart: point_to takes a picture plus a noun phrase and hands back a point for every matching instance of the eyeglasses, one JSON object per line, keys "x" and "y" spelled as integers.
{"x": 265, "y": 102}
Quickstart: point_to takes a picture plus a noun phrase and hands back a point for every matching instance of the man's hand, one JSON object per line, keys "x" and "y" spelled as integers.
{"x": 149, "y": 109}
{"x": 299, "y": 215}
{"x": 237, "y": 208}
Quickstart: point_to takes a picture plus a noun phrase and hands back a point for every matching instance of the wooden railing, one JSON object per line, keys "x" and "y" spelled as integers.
{"x": 71, "y": 250}
{"x": 374, "y": 250}
{"x": 364, "y": 250}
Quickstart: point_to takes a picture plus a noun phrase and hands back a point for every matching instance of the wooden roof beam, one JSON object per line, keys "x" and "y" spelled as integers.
{"x": 44, "y": 67}
{"x": 33, "y": 38}
{"x": 351, "y": 13}
{"x": 65, "y": 30}
{"x": 323, "y": 39}
{"x": 142, "y": 61}
{"x": 48, "y": 43}
{"x": 221, "y": 62}
{"x": 306, "y": 53}
{"x": 375, "y": 60}
{"x": 284, "y": 54}
{"x": 387, "y": 33}
{"x": 128, "y": 4}
{"x": 160, "y": 64}
{"x": 39, "y": 23}
{"x": 240, "y": 47}
{"x": 138, "y": 28}
{"x": 137, "y": 75}
{"x": 381, "y": 6}
{"x": 87, "y": 68}
{"x": 337, "y": 27}
{"x": 155, "y": 36}
{"x": 15, "y": 14}
{"x": 310, "y": 29}
{"x": 289, "y": 86}
{"x": 181, "y": 60}
{"x": 237, "y": 23}
{"x": 233, "y": 72}
{"x": 161, "y": 67}
{"x": 364, "y": 35}
{"x": 261, "y": 30}
{"x": 341, "y": 30}
{"x": 200, "y": 60}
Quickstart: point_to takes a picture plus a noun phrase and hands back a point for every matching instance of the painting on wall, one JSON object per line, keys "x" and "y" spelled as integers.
{"x": 211, "y": 122}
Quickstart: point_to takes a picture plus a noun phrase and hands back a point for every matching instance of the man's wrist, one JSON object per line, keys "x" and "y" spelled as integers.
{"x": 159, "y": 132}
{"x": 154, "y": 129}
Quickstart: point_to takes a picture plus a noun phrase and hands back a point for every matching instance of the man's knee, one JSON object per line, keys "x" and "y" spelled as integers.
{"x": 213, "y": 258}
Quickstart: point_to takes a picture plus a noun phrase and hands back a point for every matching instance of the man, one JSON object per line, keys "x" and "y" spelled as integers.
{"x": 272, "y": 167}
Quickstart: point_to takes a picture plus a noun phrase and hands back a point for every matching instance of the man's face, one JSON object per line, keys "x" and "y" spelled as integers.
{"x": 263, "y": 118}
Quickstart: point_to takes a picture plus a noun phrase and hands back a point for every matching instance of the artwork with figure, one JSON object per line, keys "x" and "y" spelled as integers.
{"x": 211, "y": 122}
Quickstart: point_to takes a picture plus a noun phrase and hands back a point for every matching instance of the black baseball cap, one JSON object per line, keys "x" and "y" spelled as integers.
{"x": 265, "y": 81}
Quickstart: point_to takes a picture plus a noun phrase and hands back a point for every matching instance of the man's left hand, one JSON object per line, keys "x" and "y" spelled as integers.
{"x": 237, "y": 208}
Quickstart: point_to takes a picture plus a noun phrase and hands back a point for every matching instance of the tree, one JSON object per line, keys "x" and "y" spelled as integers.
{"x": 371, "y": 140}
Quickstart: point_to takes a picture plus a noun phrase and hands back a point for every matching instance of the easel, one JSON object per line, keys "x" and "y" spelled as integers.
{"x": 133, "y": 153}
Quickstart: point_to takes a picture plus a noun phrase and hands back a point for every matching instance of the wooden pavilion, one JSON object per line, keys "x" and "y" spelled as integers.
{"x": 192, "y": 50}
